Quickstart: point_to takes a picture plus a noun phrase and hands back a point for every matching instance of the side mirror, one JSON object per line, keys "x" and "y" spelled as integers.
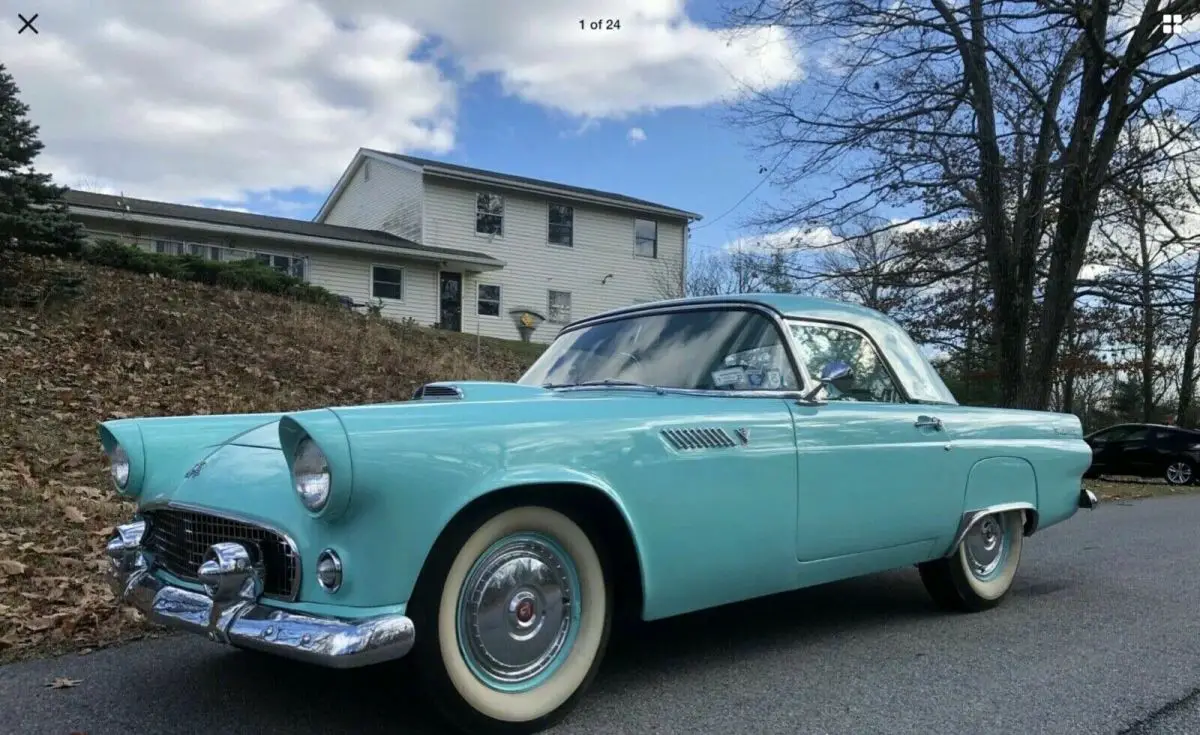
{"x": 830, "y": 373}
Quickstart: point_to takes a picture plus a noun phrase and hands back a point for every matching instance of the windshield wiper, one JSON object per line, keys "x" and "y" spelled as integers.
{"x": 606, "y": 383}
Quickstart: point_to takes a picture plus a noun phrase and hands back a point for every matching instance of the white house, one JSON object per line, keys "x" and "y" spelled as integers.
{"x": 467, "y": 249}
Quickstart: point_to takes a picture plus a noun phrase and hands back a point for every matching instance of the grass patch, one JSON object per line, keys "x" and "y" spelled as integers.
{"x": 81, "y": 343}
{"x": 1133, "y": 488}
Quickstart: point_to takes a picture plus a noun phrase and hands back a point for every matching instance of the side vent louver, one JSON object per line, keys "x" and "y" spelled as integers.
{"x": 689, "y": 439}
{"x": 426, "y": 392}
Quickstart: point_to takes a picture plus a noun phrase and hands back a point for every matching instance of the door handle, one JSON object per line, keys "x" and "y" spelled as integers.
{"x": 932, "y": 422}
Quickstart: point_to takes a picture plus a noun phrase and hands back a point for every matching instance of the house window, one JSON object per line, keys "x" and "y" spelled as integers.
{"x": 645, "y": 238}
{"x": 387, "y": 283}
{"x": 562, "y": 224}
{"x": 283, "y": 263}
{"x": 559, "y": 303}
{"x": 489, "y": 300}
{"x": 168, "y": 247}
{"x": 489, "y": 214}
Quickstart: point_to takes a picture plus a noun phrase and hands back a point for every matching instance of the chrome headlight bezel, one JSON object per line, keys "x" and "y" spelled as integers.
{"x": 311, "y": 477}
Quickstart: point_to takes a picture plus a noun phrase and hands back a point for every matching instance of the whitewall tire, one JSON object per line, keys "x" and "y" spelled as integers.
{"x": 514, "y": 617}
{"x": 980, "y": 572}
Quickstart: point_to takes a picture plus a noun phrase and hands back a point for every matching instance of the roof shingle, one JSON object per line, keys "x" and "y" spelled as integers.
{"x": 628, "y": 201}
{"x": 267, "y": 223}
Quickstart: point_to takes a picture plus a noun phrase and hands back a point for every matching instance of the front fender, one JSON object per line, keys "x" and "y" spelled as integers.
{"x": 570, "y": 480}
{"x": 162, "y": 448}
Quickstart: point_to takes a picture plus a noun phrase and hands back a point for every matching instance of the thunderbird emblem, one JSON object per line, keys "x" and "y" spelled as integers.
{"x": 195, "y": 470}
{"x": 743, "y": 435}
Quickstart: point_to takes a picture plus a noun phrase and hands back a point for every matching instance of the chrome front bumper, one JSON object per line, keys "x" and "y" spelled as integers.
{"x": 228, "y": 610}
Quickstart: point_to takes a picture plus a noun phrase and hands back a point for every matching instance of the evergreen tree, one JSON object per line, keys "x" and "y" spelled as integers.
{"x": 33, "y": 215}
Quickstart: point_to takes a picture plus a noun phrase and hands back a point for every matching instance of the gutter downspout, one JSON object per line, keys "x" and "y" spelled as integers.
{"x": 687, "y": 228}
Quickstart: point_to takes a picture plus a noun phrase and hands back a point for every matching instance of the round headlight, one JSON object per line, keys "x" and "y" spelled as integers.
{"x": 119, "y": 467}
{"x": 310, "y": 475}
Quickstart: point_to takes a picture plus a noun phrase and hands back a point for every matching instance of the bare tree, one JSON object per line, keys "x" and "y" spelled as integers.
{"x": 1007, "y": 114}
{"x": 718, "y": 272}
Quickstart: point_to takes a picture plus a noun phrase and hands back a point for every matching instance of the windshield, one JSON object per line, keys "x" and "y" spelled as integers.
{"x": 712, "y": 349}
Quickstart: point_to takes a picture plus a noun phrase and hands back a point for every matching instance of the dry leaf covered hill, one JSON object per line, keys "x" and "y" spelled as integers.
{"x": 79, "y": 344}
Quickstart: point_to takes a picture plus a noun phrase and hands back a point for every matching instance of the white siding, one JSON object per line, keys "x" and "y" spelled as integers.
{"x": 603, "y": 244}
{"x": 350, "y": 275}
{"x": 381, "y": 196}
{"x": 343, "y": 273}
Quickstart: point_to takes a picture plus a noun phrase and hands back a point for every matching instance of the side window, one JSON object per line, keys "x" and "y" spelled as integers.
{"x": 1110, "y": 436}
{"x": 755, "y": 359}
{"x": 869, "y": 379}
{"x": 1137, "y": 435}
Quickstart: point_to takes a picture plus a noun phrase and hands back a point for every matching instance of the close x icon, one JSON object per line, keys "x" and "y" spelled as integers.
{"x": 27, "y": 23}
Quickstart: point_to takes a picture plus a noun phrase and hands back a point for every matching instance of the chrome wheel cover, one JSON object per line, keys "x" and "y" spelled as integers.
{"x": 518, "y": 612}
{"x": 1179, "y": 473}
{"x": 986, "y": 546}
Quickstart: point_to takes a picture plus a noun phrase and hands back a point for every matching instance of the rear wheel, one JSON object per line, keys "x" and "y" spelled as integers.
{"x": 980, "y": 572}
{"x": 513, "y": 616}
{"x": 1180, "y": 472}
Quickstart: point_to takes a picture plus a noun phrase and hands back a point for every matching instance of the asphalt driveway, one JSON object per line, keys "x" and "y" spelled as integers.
{"x": 1101, "y": 635}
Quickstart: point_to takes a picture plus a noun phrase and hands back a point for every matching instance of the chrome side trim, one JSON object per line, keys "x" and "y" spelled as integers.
{"x": 240, "y": 621}
{"x": 971, "y": 517}
{"x": 297, "y": 573}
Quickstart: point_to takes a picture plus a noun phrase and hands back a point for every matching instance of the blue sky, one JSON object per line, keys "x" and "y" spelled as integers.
{"x": 261, "y": 106}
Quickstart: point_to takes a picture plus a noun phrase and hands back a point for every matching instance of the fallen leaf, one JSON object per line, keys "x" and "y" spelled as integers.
{"x": 74, "y": 515}
{"x": 9, "y": 567}
{"x": 63, "y": 682}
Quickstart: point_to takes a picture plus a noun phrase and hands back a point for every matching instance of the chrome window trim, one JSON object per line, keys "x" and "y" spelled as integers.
{"x": 781, "y": 327}
{"x": 297, "y": 575}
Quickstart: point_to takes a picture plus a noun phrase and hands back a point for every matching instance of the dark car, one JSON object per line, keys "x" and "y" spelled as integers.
{"x": 1146, "y": 450}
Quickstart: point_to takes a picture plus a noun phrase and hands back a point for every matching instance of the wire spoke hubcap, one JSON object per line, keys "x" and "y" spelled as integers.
{"x": 518, "y": 612}
{"x": 986, "y": 547}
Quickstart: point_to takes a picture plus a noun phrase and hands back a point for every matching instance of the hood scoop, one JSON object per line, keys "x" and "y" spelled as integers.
{"x": 437, "y": 391}
{"x": 478, "y": 390}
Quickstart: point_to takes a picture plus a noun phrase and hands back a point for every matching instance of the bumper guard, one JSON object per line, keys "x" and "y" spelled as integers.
{"x": 228, "y": 610}
{"x": 1087, "y": 499}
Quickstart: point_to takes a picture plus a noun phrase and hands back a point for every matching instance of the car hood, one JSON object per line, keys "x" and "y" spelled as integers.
{"x": 266, "y": 435}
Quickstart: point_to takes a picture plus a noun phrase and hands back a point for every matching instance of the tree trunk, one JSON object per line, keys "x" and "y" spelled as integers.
{"x": 1146, "y": 296}
{"x": 1187, "y": 385}
{"x": 1068, "y": 391}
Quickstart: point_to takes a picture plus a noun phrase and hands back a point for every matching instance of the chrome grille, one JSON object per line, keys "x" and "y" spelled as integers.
{"x": 179, "y": 539}
{"x": 685, "y": 439}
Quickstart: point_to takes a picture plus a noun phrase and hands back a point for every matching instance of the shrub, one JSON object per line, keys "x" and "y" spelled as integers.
{"x": 241, "y": 275}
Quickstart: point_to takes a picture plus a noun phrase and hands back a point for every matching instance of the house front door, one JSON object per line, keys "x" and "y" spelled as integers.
{"x": 450, "y": 290}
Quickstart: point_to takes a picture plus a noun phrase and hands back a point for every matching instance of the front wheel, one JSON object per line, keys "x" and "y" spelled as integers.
{"x": 513, "y": 621}
{"x": 1179, "y": 472}
{"x": 980, "y": 572}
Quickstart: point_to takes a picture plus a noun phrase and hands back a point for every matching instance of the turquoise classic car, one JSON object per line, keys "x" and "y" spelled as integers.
{"x": 655, "y": 460}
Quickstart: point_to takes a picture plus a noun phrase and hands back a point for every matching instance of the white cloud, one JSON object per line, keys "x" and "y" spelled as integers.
{"x": 791, "y": 238}
{"x": 636, "y": 135}
{"x": 216, "y": 98}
